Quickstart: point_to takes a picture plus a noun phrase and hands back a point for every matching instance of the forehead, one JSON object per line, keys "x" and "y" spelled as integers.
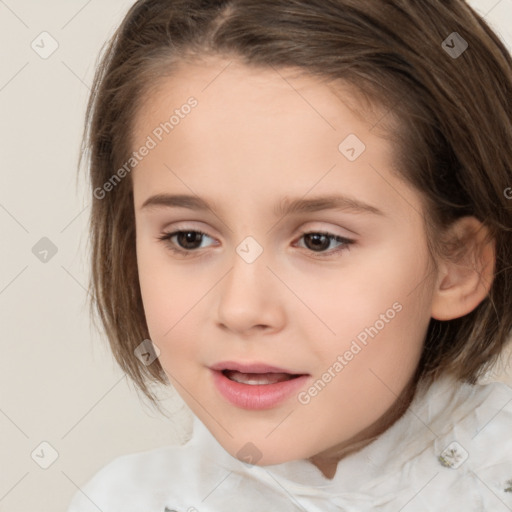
{"x": 218, "y": 81}
{"x": 258, "y": 130}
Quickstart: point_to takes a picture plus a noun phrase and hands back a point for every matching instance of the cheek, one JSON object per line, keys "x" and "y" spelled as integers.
{"x": 166, "y": 292}
{"x": 379, "y": 316}
{"x": 368, "y": 285}
{"x": 174, "y": 299}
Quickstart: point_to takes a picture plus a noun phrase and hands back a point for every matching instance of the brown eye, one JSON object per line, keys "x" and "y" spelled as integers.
{"x": 187, "y": 241}
{"x": 318, "y": 242}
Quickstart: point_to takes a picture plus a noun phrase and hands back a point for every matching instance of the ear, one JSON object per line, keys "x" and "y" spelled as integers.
{"x": 465, "y": 278}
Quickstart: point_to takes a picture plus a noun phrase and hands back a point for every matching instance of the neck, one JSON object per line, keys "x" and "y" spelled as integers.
{"x": 327, "y": 461}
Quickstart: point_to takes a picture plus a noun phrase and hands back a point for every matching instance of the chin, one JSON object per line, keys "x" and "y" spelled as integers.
{"x": 258, "y": 455}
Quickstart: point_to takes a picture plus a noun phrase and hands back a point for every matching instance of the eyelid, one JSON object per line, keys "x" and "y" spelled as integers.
{"x": 344, "y": 242}
{"x": 318, "y": 227}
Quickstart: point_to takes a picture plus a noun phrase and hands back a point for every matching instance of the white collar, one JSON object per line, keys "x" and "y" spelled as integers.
{"x": 393, "y": 468}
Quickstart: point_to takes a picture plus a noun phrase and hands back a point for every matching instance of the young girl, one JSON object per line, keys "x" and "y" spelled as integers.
{"x": 302, "y": 216}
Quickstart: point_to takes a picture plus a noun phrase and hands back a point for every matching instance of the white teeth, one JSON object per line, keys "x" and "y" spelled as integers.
{"x": 255, "y": 379}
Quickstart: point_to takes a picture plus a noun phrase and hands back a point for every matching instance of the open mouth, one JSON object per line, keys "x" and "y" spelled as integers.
{"x": 256, "y": 386}
{"x": 258, "y": 379}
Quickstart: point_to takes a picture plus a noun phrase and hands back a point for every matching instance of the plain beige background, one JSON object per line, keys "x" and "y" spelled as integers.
{"x": 58, "y": 382}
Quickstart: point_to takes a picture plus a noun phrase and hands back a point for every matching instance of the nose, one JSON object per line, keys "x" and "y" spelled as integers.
{"x": 250, "y": 298}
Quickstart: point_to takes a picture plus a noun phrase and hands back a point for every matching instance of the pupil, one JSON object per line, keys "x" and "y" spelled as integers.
{"x": 188, "y": 237}
{"x": 316, "y": 237}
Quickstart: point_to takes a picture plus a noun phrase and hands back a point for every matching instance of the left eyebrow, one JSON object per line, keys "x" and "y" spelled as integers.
{"x": 334, "y": 202}
{"x": 287, "y": 206}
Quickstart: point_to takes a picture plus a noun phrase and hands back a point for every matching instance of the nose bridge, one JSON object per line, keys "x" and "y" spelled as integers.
{"x": 249, "y": 265}
{"x": 246, "y": 299}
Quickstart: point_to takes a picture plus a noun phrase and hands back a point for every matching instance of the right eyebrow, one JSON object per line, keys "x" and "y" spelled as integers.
{"x": 176, "y": 201}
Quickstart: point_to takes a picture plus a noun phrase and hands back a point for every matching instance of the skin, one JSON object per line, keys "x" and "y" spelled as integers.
{"x": 255, "y": 137}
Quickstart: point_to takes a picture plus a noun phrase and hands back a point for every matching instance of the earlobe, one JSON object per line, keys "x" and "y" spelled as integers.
{"x": 464, "y": 280}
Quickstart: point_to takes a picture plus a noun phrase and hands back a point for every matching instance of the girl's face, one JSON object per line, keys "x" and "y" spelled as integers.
{"x": 337, "y": 289}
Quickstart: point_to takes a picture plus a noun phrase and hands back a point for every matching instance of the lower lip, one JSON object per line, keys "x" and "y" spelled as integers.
{"x": 264, "y": 396}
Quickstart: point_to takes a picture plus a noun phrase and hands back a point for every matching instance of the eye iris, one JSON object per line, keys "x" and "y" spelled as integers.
{"x": 188, "y": 237}
{"x": 324, "y": 244}
{"x": 188, "y": 240}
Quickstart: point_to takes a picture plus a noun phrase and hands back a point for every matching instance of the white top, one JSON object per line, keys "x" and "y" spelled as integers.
{"x": 451, "y": 451}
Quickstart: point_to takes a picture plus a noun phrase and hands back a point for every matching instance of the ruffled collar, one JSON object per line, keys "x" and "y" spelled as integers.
{"x": 414, "y": 449}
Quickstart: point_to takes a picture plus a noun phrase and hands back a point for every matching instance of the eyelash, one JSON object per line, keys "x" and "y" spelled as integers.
{"x": 346, "y": 242}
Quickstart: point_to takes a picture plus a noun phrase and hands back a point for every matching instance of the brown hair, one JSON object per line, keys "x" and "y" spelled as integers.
{"x": 453, "y": 139}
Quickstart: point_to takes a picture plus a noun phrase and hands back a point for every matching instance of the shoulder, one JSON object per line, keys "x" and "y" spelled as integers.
{"x": 135, "y": 481}
{"x": 486, "y": 421}
{"x": 474, "y": 447}
{"x": 475, "y": 412}
{"x": 454, "y": 451}
{"x": 489, "y": 438}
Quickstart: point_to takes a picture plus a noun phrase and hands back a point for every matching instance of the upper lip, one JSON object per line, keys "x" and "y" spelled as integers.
{"x": 251, "y": 368}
